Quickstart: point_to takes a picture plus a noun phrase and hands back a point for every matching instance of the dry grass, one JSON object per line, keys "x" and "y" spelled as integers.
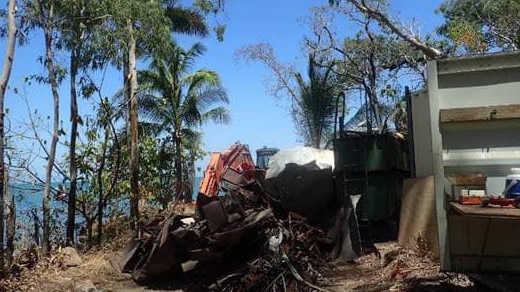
{"x": 399, "y": 269}
{"x": 95, "y": 266}
{"x": 53, "y": 275}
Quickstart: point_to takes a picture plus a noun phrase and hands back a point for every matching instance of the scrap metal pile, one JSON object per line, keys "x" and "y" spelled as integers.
{"x": 249, "y": 239}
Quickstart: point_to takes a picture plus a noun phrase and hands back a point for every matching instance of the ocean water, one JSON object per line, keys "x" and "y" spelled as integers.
{"x": 196, "y": 186}
{"x": 28, "y": 203}
{"x": 28, "y": 199}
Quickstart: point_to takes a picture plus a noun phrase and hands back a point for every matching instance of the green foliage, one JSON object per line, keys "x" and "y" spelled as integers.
{"x": 388, "y": 54}
{"x": 372, "y": 63}
{"x": 175, "y": 101}
{"x": 187, "y": 21}
{"x": 155, "y": 171}
{"x": 317, "y": 100}
{"x": 482, "y": 25}
{"x": 219, "y": 31}
{"x": 94, "y": 34}
{"x": 174, "y": 98}
{"x": 210, "y": 6}
{"x": 97, "y": 161}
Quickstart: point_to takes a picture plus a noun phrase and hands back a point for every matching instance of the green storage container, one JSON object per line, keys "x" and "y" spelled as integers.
{"x": 373, "y": 165}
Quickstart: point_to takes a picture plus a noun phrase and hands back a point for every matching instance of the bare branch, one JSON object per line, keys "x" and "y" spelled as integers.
{"x": 384, "y": 21}
{"x": 283, "y": 74}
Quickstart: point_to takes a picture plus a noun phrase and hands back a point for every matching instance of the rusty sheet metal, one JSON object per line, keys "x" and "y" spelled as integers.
{"x": 215, "y": 214}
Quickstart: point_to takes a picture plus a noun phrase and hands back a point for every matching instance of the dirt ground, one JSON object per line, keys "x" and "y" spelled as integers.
{"x": 398, "y": 269}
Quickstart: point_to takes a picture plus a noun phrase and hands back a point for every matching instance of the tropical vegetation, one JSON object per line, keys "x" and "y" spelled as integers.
{"x": 177, "y": 101}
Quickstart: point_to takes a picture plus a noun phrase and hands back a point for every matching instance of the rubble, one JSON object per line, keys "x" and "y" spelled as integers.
{"x": 245, "y": 241}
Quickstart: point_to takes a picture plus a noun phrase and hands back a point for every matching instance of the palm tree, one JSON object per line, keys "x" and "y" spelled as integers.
{"x": 317, "y": 101}
{"x": 178, "y": 101}
{"x": 143, "y": 26}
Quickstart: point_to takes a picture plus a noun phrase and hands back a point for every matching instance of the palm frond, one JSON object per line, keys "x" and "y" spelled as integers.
{"x": 149, "y": 129}
{"x": 212, "y": 96}
{"x": 218, "y": 115}
{"x": 153, "y": 109}
{"x": 196, "y": 50}
{"x": 191, "y": 136}
{"x": 187, "y": 21}
{"x": 190, "y": 111}
{"x": 187, "y": 58}
{"x": 317, "y": 100}
{"x": 201, "y": 78}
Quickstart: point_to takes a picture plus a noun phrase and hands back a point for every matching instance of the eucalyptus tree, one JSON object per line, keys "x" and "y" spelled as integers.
{"x": 482, "y": 25}
{"x": 4, "y": 81}
{"x": 378, "y": 11}
{"x": 369, "y": 62}
{"x": 82, "y": 34}
{"x": 372, "y": 63}
{"x": 43, "y": 15}
{"x": 178, "y": 100}
{"x": 474, "y": 25}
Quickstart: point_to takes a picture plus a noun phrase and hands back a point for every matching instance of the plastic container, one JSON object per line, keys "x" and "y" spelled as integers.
{"x": 466, "y": 184}
{"x": 512, "y": 189}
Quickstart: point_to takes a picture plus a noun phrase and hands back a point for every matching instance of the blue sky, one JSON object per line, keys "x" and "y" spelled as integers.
{"x": 258, "y": 119}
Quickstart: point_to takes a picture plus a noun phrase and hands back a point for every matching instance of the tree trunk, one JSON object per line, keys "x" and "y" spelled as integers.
{"x": 11, "y": 221}
{"x": 317, "y": 139}
{"x": 89, "y": 223}
{"x": 187, "y": 181}
{"x": 101, "y": 196}
{"x": 2, "y": 218}
{"x": 374, "y": 105}
{"x": 107, "y": 195}
{"x": 36, "y": 226}
{"x": 368, "y": 110}
{"x": 191, "y": 178}
{"x": 49, "y": 64}
{"x": 372, "y": 75}
{"x": 178, "y": 165}
{"x": 4, "y": 80}
{"x": 134, "y": 151}
{"x": 71, "y": 210}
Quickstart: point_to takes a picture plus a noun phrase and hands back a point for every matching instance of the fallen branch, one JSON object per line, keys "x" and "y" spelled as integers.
{"x": 297, "y": 275}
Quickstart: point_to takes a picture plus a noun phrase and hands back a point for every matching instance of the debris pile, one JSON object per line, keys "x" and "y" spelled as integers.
{"x": 286, "y": 256}
{"x": 245, "y": 240}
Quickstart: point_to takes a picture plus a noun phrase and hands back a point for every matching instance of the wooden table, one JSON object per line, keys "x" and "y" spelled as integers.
{"x": 483, "y": 238}
{"x": 485, "y": 212}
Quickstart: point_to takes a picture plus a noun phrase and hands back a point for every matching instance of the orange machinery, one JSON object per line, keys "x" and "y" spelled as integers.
{"x": 234, "y": 166}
